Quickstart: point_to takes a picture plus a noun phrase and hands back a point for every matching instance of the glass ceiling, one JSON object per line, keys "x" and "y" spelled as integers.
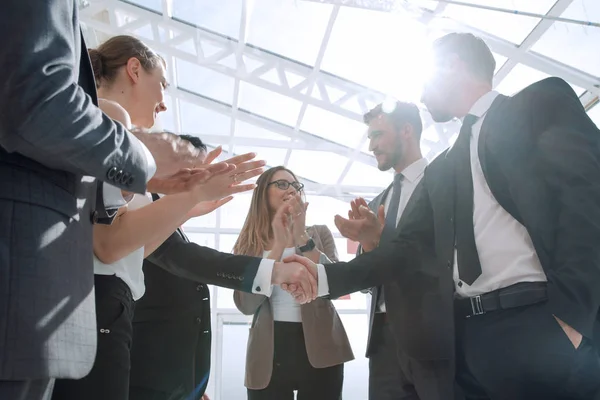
{"x": 291, "y": 79}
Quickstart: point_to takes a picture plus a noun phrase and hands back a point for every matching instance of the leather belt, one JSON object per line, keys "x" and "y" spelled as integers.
{"x": 517, "y": 295}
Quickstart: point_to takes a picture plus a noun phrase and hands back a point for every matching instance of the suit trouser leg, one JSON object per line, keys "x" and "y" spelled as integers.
{"x": 430, "y": 379}
{"x": 38, "y": 389}
{"x": 523, "y": 353}
{"x": 387, "y": 378}
{"x": 109, "y": 378}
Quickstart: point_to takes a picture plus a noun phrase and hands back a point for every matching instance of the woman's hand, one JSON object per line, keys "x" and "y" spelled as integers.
{"x": 206, "y": 207}
{"x": 298, "y": 212}
{"x": 282, "y": 227}
{"x": 227, "y": 182}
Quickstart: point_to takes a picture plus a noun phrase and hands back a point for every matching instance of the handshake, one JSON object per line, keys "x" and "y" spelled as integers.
{"x": 298, "y": 276}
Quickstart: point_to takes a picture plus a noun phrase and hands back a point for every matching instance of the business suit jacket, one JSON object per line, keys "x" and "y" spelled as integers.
{"x": 417, "y": 313}
{"x": 326, "y": 340}
{"x": 51, "y": 136}
{"x": 172, "y": 333}
{"x": 540, "y": 155}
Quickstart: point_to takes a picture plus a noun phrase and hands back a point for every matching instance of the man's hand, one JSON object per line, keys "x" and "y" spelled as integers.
{"x": 362, "y": 225}
{"x": 170, "y": 152}
{"x": 204, "y": 397}
{"x": 187, "y": 179}
{"x": 574, "y": 336}
{"x": 299, "y": 272}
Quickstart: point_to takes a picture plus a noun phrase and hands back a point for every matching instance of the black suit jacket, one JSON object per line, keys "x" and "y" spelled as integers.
{"x": 540, "y": 154}
{"x": 171, "y": 334}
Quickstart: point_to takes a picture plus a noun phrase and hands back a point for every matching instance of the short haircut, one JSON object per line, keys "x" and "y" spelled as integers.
{"x": 195, "y": 141}
{"x": 401, "y": 113}
{"x": 471, "y": 49}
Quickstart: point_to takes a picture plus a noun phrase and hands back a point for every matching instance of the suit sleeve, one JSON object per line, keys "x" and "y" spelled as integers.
{"x": 568, "y": 158}
{"x": 202, "y": 264}
{"x": 395, "y": 260}
{"x": 46, "y": 116}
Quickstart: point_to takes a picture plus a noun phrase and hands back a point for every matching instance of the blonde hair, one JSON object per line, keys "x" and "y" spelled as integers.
{"x": 257, "y": 231}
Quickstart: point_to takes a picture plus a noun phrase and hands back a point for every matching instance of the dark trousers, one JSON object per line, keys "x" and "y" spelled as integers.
{"x": 521, "y": 354}
{"x": 109, "y": 378}
{"x": 292, "y": 370}
{"x": 38, "y": 389}
{"x": 393, "y": 375}
{"x": 141, "y": 393}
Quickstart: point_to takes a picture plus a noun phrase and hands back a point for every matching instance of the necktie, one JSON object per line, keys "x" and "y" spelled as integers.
{"x": 389, "y": 229}
{"x": 391, "y": 216}
{"x": 469, "y": 267}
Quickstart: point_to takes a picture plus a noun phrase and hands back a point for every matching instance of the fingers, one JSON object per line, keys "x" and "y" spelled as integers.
{"x": 241, "y": 188}
{"x": 354, "y": 207}
{"x": 381, "y": 214}
{"x": 223, "y": 201}
{"x": 212, "y": 155}
{"x": 362, "y": 202}
{"x": 218, "y": 168}
{"x": 236, "y": 160}
{"x": 244, "y": 176}
{"x": 365, "y": 212}
{"x": 348, "y": 228}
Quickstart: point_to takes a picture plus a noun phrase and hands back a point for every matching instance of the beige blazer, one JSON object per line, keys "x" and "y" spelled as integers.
{"x": 326, "y": 340}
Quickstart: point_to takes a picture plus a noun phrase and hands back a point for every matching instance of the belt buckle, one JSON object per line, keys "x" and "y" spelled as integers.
{"x": 476, "y": 306}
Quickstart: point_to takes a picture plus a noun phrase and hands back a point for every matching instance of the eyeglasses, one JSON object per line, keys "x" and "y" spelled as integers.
{"x": 284, "y": 185}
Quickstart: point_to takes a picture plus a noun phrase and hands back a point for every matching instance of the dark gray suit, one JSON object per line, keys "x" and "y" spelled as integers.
{"x": 51, "y": 136}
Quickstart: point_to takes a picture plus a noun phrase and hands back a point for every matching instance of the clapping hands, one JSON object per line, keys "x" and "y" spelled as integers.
{"x": 362, "y": 225}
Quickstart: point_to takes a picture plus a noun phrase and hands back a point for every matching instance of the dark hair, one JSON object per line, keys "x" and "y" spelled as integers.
{"x": 194, "y": 140}
{"x": 471, "y": 49}
{"x": 115, "y": 52}
{"x": 402, "y": 113}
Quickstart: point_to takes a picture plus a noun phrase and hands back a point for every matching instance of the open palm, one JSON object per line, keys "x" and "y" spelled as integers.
{"x": 206, "y": 207}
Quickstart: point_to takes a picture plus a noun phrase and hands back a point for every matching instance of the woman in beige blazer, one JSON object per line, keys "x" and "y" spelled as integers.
{"x": 290, "y": 346}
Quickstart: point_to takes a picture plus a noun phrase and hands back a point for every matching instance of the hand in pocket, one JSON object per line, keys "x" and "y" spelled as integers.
{"x": 574, "y": 336}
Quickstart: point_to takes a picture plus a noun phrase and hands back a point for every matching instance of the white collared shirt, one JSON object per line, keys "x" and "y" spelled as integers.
{"x": 412, "y": 175}
{"x": 505, "y": 249}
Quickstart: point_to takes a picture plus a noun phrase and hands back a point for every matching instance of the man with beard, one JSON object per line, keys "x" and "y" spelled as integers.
{"x": 512, "y": 210}
{"x": 398, "y": 366}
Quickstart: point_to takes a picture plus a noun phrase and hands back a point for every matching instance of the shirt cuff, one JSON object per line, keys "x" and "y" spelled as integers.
{"x": 262, "y": 280}
{"x": 323, "y": 286}
{"x": 112, "y": 197}
{"x": 150, "y": 161}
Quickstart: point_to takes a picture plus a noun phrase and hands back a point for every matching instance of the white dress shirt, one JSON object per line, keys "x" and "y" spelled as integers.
{"x": 505, "y": 249}
{"x": 284, "y": 307}
{"x": 412, "y": 175}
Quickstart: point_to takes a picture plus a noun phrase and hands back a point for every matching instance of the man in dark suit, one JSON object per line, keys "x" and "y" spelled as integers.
{"x": 54, "y": 142}
{"x": 402, "y": 362}
{"x": 512, "y": 210}
{"x": 170, "y": 352}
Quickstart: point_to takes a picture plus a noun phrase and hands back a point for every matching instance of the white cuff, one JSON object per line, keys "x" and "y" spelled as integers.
{"x": 150, "y": 161}
{"x": 112, "y": 197}
{"x": 323, "y": 286}
{"x": 262, "y": 280}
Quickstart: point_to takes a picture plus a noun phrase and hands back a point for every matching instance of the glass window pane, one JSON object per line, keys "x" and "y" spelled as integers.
{"x": 246, "y": 130}
{"x": 522, "y": 76}
{"x": 594, "y": 114}
{"x": 233, "y": 362}
{"x": 291, "y": 21}
{"x": 272, "y": 156}
{"x": 332, "y": 126}
{"x": 154, "y": 5}
{"x": 166, "y": 119}
{"x": 274, "y": 106}
{"x": 572, "y": 44}
{"x": 318, "y": 166}
{"x": 218, "y": 16}
{"x": 322, "y": 209}
{"x": 356, "y": 372}
{"x": 205, "y": 221}
{"x": 233, "y": 215}
{"x": 365, "y": 175}
{"x": 204, "y": 81}
{"x": 196, "y": 120}
{"x": 359, "y": 50}
{"x": 514, "y": 28}
{"x": 227, "y": 240}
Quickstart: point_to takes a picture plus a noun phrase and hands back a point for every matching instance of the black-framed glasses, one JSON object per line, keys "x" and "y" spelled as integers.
{"x": 284, "y": 185}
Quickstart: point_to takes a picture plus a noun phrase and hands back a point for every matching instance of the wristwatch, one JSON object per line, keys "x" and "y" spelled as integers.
{"x": 310, "y": 244}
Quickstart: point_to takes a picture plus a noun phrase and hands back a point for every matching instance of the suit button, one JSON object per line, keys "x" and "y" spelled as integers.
{"x": 198, "y": 288}
{"x": 119, "y": 175}
{"x": 124, "y": 178}
{"x": 449, "y": 263}
{"x": 240, "y": 278}
{"x": 129, "y": 181}
{"x": 112, "y": 173}
{"x": 257, "y": 289}
{"x": 198, "y": 320}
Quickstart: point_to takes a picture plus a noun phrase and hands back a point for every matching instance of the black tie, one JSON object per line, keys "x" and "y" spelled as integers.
{"x": 469, "y": 267}
{"x": 391, "y": 216}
